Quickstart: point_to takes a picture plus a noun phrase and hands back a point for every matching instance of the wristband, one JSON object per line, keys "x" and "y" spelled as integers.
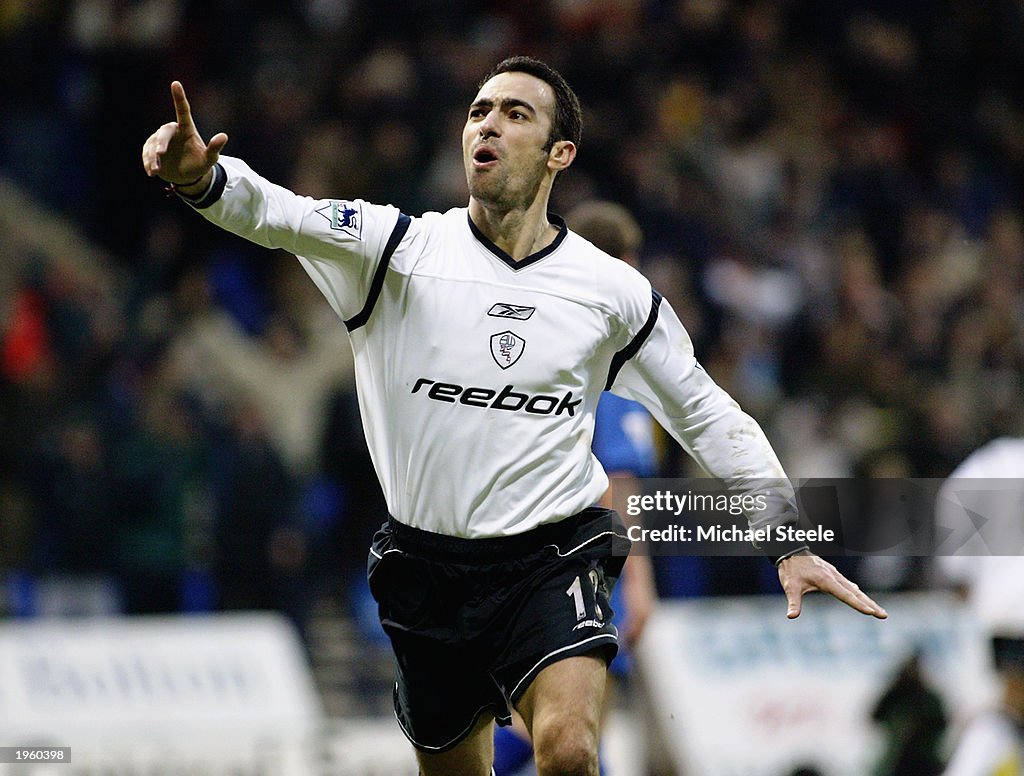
{"x": 173, "y": 187}
{"x": 202, "y": 199}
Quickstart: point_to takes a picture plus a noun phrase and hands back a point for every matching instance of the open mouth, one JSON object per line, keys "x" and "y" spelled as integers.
{"x": 484, "y": 157}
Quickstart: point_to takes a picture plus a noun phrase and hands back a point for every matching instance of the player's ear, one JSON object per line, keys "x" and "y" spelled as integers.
{"x": 561, "y": 155}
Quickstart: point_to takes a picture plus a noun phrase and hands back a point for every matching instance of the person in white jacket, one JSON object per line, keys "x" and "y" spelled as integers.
{"x": 980, "y": 505}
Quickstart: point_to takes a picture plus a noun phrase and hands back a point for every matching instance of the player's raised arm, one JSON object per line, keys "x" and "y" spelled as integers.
{"x": 177, "y": 153}
{"x": 339, "y": 241}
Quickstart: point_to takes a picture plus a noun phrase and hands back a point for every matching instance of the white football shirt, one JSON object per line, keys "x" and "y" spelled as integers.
{"x": 478, "y": 376}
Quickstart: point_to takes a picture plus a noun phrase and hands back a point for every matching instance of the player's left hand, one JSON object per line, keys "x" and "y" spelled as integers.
{"x": 803, "y": 573}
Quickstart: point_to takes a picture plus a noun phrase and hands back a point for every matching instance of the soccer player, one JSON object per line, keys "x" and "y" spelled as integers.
{"x": 982, "y": 568}
{"x": 483, "y": 338}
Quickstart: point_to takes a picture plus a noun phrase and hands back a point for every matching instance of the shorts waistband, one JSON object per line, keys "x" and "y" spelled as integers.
{"x": 589, "y": 522}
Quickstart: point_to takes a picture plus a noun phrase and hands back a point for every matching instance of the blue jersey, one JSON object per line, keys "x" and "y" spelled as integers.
{"x": 624, "y": 437}
{"x": 624, "y": 444}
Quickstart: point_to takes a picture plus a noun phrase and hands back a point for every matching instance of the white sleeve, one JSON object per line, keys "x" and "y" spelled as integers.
{"x": 341, "y": 243}
{"x": 663, "y": 374}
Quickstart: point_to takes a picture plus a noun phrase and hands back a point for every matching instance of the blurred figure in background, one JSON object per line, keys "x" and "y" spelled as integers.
{"x": 913, "y": 722}
{"x": 623, "y": 429}
{"x": 980, "y": 505}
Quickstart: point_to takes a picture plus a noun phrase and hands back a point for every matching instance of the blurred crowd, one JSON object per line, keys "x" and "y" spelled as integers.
{"x": 829, "y": 193}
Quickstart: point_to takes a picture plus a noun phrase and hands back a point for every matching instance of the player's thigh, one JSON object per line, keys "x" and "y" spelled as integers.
{"x": 562, "y": 706}
{"x": 472, "y": 756}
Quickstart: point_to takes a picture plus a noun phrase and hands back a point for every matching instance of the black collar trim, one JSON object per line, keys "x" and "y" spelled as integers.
{"x": 533, "y": 258}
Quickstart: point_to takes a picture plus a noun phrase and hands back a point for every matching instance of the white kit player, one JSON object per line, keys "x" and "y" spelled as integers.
{"x": 483, "y": 338}
{"x": 981, "y": 500}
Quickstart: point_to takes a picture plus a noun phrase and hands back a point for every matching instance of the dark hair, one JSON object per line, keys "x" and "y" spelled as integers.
{"x": 568, "y": 118}
{"x": 609, "y": 226}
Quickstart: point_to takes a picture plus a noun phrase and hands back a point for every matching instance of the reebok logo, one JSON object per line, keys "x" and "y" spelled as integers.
{"x": 506, "y": 310}
{"x": 506, "y": 399}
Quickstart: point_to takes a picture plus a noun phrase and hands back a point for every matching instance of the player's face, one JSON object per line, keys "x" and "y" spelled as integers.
{"x": 503, "y": 142}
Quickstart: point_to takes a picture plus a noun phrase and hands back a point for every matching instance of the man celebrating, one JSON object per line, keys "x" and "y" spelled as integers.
{"x": 483, "y": 338}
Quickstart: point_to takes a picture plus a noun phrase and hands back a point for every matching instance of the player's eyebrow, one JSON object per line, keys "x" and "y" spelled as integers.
{"x": 507, "y": 104}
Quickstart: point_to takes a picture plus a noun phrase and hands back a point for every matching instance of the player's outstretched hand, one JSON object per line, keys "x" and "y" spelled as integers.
{"x": 176, "y": 152}
{"x": 803, "y": 573}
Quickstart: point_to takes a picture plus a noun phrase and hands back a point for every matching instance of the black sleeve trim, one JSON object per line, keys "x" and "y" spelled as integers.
{"x": 620, "y": 358}
{"x": 212, "y": 194}
{"x": 377, "y": 284}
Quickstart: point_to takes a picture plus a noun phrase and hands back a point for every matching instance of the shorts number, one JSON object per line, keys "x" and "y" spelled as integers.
{"x": 575, "y": 592}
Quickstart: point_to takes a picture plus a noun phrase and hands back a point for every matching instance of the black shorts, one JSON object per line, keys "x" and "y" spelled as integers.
{"x": 473, "y": 621}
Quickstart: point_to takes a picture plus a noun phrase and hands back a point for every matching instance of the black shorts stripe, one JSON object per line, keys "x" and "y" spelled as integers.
{"x": 377, "y": 284}
{"x": 636, "y": 343}
{"x": 504, "y": 721}
{"x": 579, "y": 648}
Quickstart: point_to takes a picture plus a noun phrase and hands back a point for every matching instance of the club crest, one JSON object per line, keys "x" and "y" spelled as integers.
{"x": 506, "y": 348}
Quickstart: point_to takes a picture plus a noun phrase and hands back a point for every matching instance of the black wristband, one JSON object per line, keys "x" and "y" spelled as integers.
{"x": 802, "y": 550}
{"x": 190, "y": 183}
{"x": 205, "y": 198}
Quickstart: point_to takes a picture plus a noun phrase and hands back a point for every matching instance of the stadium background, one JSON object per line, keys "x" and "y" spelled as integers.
{"x": 829, "y": 192}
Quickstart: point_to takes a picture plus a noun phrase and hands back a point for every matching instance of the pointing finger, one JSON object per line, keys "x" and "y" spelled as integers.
{"x": 182, "y": 111}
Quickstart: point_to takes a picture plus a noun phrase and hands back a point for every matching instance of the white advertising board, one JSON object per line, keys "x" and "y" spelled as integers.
{"x": 73, "y": 681}
{"x": 739, "y": 690}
